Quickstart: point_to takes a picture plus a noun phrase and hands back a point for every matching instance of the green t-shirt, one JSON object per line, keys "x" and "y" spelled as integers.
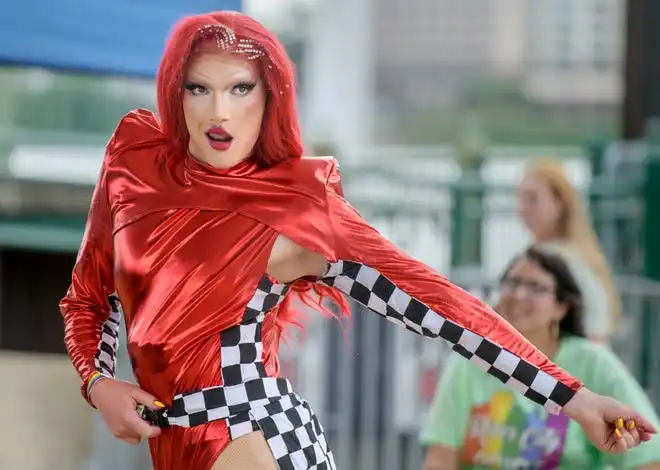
{"x": 493, "y": 427}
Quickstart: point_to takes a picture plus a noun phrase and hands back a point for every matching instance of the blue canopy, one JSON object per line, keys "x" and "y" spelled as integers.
{"x": 112, "y": 37}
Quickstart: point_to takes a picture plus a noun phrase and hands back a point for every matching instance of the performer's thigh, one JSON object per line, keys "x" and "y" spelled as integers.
{"x": 249, "y": 452}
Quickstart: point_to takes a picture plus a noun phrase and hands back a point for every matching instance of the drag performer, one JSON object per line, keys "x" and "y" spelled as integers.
{"x": 205, "y": 222}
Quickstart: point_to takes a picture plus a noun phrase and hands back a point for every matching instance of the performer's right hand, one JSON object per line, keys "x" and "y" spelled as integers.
{"x": 116, "y": 401}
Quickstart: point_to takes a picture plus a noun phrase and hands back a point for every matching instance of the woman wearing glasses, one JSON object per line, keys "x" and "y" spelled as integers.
{"x": 477, "y": 424}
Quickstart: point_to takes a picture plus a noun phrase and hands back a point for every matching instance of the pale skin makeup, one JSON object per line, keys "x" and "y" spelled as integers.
{"x": 223, "y": 92}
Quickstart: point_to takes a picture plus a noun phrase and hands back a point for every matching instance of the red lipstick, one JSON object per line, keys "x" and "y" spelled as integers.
{"x": 219, "y": 138}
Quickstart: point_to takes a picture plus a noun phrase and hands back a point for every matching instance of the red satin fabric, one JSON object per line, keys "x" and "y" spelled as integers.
{"x": 184, "y": 246}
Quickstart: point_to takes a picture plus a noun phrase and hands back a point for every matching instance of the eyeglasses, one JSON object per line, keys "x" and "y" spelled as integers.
{"x": 531, "y": 287}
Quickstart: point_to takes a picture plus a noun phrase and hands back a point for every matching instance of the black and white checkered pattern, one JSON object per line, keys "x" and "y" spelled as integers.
{"x": 241, "y": 348}
{"x": 241, "y": 351}
{"x": 215, "y": 403}
{"x": 250, "y": 401}
{"x": 268, "y": 296}
{"x": 294, "y": 435}
{"x": 106, "y": 354}
{"x": 378, "y": 293}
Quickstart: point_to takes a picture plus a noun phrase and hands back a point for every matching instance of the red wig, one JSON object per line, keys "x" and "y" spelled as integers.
{"x": 279, "y": 138}
{"x": 280, "y": 131}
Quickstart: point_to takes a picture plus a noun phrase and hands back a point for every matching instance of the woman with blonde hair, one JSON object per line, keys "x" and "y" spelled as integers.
{"x": 550, "y": 208}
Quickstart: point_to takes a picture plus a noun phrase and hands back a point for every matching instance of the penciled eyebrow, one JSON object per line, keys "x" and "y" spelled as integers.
{"x": 193, "y": 78}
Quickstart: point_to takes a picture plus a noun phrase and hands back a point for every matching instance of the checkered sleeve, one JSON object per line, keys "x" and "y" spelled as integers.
{"x": 374, "y": 272}
{"x": 91, "y": 313}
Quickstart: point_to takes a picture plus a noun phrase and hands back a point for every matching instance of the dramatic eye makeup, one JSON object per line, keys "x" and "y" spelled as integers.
{"x": 242, "y": 88}
{"x": 195, "y": 88}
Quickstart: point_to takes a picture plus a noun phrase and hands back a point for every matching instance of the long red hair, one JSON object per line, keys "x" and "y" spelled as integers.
{"x": 280, "y": 132}
{"x": 279, "y": 138}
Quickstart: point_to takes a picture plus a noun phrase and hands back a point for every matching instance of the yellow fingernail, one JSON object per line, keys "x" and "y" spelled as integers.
{"x": 159, "y": 404}
{"x": 619, "y": 423}
{"x": 631, "y": 425}
{"x": 618, "y": 433}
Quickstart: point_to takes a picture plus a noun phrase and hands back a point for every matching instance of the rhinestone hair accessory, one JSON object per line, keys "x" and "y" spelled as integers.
{"x": 226, "y": 40}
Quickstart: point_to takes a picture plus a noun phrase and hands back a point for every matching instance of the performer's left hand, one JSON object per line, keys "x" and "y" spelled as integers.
{"x": 610, "y": 425}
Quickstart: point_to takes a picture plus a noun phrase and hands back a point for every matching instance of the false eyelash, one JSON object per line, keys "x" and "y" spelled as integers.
{"x": 192, "y": 86}
{"x": 249, "y": 85}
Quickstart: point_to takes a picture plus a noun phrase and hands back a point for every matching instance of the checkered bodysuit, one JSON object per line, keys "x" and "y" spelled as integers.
{"x": 185, "y": 250}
